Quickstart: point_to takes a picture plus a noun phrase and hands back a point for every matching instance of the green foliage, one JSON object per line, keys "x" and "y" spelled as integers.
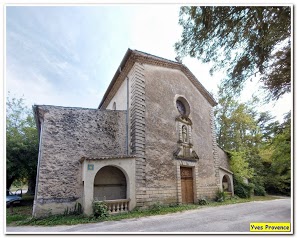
{"x": 156, "y": 206}
{"x": 241, "y": 189}
{"x": 236, "y": 123}
{"x": 203, "y": 201}
{"x": 15, "y": 217}
{"x": 258, "y": 182}
{"x": 278, "y": 162}
{"x": 259, "y": 147}
{"x": 100, "y": 209}
{"x": 244, "y": 41}
{"x": 240, "y": 166}
{"x": 21, "y": 142}
{"x": 259, "y": 190}
{"x": 220, "y": 196}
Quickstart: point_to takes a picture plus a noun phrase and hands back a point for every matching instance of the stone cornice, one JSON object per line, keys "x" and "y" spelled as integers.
{"x": 133, "y": 56}
{"x": 226, "y": 170}
{"x": 185, "y": 120}
{"x": 82, "y": 159}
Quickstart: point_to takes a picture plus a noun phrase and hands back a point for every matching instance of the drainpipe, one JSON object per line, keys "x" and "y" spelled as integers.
{"x": 127, "y": 119}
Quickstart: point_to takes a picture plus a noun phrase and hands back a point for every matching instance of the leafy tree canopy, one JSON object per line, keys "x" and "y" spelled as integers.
{"x": 21, "y": 143}
{"x": 243, "y": 40}
{"x": 276, "y": 154}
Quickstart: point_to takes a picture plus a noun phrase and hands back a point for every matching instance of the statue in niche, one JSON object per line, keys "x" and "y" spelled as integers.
{"x": 185, "y": 148}
{"x": 184, "y": 133}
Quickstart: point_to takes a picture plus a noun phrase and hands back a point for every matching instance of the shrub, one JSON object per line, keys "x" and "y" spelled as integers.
{"x": 100, "y": 209}
{"x": 203, "y": 201}
{"x": 242, "y": 189}
{"x": 220, "y": 196}
{"x": 259, "y": 190}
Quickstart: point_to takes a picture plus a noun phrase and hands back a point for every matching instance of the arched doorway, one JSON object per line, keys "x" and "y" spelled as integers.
{"x": 226, "y": 183}
{"x": 110, "y": 184}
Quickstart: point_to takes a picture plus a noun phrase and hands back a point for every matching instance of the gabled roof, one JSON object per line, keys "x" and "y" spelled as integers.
{"x": 133, "y": 56}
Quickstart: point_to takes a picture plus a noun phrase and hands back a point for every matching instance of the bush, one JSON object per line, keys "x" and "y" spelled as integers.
{"x": 100, "y": 209}
{"x": 242, "y": 189}
{"x": 220, "y": 196}
{"x": 203, "y": 201}
{"x": 259, "y": 190}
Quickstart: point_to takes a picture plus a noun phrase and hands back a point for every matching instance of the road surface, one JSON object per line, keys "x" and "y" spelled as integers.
{"x": 229, "y": 218}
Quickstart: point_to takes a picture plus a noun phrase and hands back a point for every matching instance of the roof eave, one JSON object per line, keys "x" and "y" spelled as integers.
{"x": 138, "y": 55}
{"x": 117, "y": 73}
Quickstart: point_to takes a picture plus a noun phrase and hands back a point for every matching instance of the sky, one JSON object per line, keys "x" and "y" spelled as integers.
{"x": 67, "y": 55}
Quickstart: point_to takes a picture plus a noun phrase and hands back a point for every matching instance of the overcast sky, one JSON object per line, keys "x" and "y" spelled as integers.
{"x": 67, "y": 55}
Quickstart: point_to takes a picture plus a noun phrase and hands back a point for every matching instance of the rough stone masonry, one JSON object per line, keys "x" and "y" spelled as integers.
{"x": 151, "y": 140}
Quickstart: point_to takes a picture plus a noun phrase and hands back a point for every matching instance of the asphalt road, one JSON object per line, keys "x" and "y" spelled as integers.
{"x": 230, "y": 218}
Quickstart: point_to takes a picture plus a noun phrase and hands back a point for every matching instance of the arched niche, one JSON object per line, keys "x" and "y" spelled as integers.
{"x": 110, "y": 183}
{"x": 226, "y": 183}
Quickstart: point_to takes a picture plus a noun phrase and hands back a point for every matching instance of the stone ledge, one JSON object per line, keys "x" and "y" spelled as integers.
{"x": 81, "y": 160}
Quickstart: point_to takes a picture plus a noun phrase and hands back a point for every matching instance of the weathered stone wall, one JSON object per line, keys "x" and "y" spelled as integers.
{"x": 162, "y": 86}
{"x": 68, "y": 134}
{"x": 223, "y": 158}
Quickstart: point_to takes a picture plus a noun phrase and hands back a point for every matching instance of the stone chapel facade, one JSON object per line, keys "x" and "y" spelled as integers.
{"x": 150, "y": 141}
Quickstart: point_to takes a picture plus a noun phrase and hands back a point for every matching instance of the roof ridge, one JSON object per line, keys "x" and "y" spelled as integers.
{"x": 135, "y": 55}
{"x": 158, "y": 57}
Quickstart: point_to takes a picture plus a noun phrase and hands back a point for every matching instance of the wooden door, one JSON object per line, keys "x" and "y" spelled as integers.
{"x": 187, "y": 185}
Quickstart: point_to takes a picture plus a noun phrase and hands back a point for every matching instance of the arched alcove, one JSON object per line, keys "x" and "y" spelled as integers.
{"x": 110, "y": 184}
{"x": 226, "y": 183}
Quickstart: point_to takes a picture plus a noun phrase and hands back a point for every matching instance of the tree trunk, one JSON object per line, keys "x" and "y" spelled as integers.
{"x": 31, "y": 185}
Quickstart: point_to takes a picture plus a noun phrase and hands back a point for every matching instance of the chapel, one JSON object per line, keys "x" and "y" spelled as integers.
{"x": 150, "y": 141}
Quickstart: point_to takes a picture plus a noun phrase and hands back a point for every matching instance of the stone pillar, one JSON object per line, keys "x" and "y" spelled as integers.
{"x": 88, "y": 195}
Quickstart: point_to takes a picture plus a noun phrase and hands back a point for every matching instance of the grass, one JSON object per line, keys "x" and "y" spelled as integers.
{"x": 20, "y": 212}
{"x": 22, "y": 215}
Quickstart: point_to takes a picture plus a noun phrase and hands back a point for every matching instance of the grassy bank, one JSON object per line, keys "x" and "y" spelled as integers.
{"x": 21, "y": 215}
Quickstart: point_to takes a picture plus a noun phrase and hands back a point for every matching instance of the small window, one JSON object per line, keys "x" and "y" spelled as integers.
{"x": 180, "y": 107}
{"x": 183, "y": 106}
{"x": 114, "y": 106}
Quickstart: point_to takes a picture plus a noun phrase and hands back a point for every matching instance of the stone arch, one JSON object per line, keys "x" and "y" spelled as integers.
{"x": 226, "y": 183}
{"x": 110, "y": 183}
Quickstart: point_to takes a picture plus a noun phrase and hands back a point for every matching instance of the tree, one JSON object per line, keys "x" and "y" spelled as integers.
{"x": 21, "y": 143}
{"x": 259, "y": 147}
{"x": 276, "y": 155}
{"x": 236, "y": 124}
{"x": 243, "y": 40}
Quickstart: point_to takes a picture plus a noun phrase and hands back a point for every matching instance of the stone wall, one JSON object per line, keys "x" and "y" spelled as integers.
{"x": 162, "y": 87}
{"x": 67, "y": 135}
{"x": 224, "y": 161}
